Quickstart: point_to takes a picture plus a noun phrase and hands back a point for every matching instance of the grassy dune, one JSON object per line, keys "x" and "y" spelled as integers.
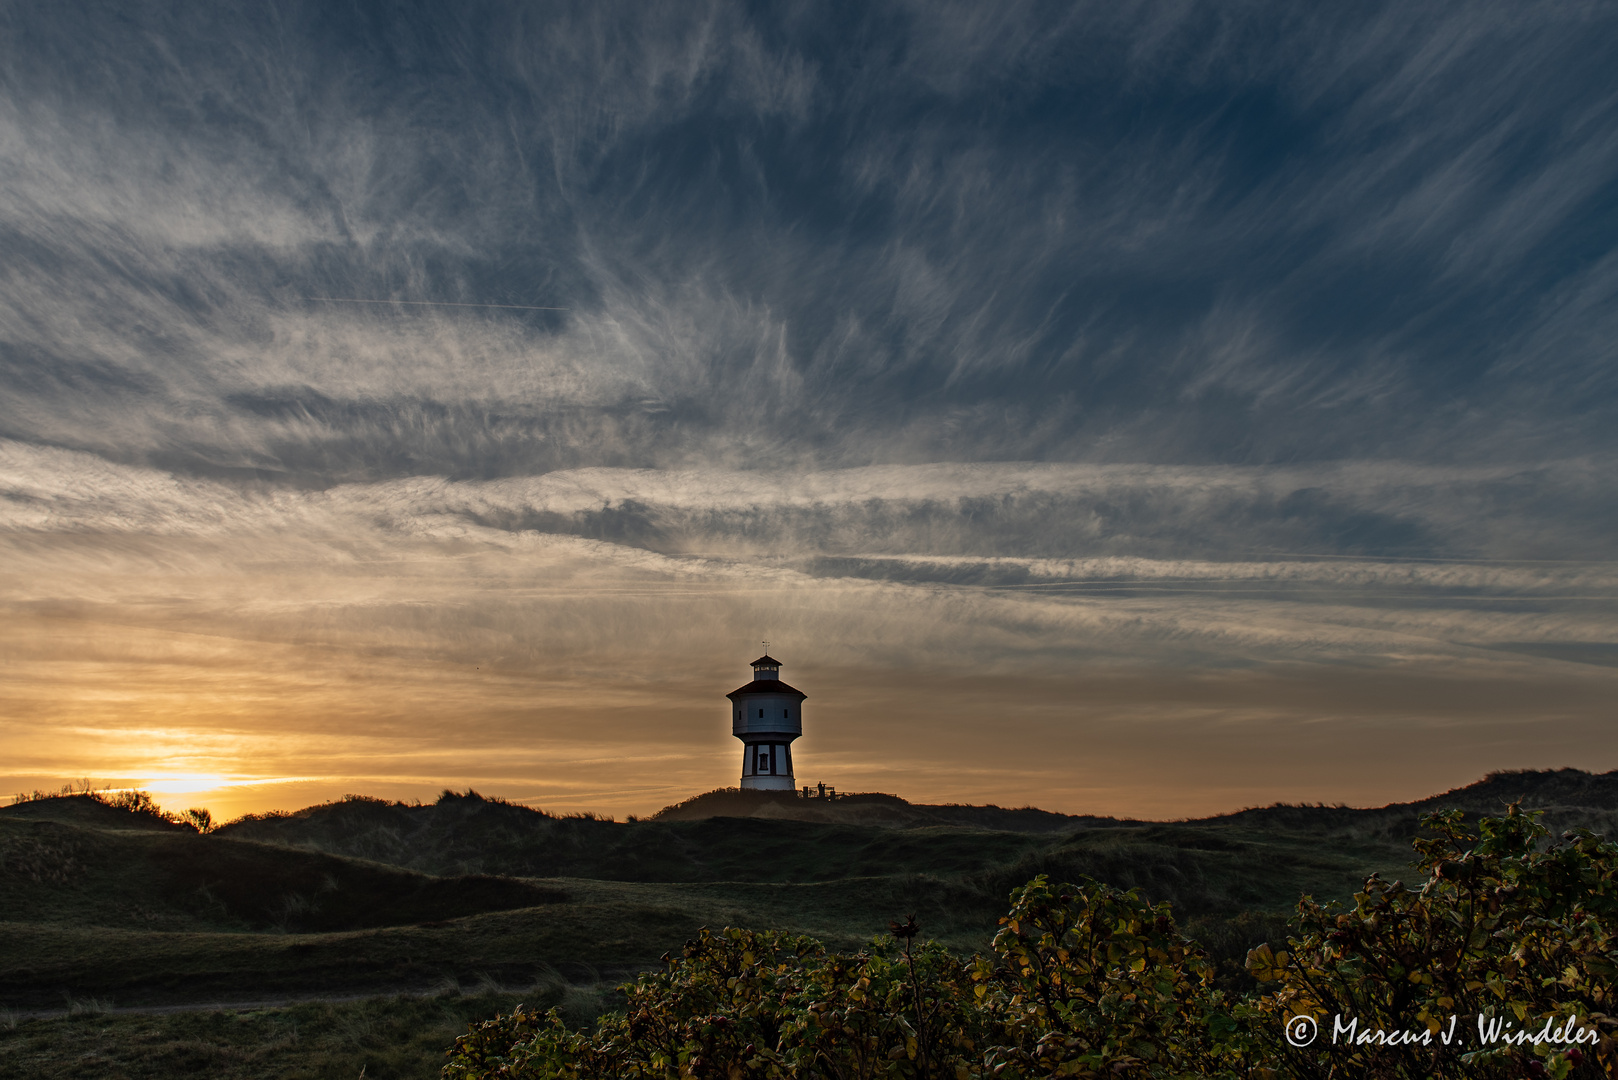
{"x": 605, "y": 929}
{"x": 101, "y": 906}
{"x": 392, "y": 1038}
{"x": 177, "y": 880}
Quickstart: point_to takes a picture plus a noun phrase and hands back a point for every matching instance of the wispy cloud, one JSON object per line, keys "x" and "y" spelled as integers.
{"x": 810, "y": 544}
{"x": 1114, "y": 338}
{"x": 808, "y": 254}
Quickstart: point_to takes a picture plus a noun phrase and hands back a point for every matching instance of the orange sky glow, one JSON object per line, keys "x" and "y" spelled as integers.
{"x": 276, "y": 672}
{"x": 1155, "y": 410}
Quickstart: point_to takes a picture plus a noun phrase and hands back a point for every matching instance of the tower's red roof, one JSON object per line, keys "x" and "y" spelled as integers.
{"x": 766, "y": 686}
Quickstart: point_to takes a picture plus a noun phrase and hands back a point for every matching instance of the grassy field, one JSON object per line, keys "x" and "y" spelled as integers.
{"x": 388, "y": 1038}
{"x": 362, "y": 899}
{"x": 177, "y": 880}
{"x": 125, "y": 924}
{"x": 611, "y": 928}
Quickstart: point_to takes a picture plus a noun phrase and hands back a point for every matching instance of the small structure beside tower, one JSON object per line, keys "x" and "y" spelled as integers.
{"x": 767, "y": 715}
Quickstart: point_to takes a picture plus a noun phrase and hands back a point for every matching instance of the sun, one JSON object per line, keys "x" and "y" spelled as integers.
{"x": 186, "y": 783}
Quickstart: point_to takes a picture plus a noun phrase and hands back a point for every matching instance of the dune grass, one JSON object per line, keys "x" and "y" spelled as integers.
{"x": 177, "y": 879}
{"x": 148, "y": 916}
{"x": 105, "y": 908}
{"x": 384, "y": 1038}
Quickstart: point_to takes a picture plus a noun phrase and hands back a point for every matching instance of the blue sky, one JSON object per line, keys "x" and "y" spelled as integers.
{"x": 1182, "y": 369}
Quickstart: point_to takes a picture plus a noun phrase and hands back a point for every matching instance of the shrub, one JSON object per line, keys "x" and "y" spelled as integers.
{"x": 199, "y": 818}
{"x": 1089, "y": 981}
{"x": 1087, "y": 978}
{"x": 1504, "y": 927}
{"x": 740, "y": 1003}
{"x": 1092, "y": 980}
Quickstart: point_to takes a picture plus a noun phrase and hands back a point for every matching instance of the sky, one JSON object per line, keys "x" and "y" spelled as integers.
{"x": 1148, "y": 409}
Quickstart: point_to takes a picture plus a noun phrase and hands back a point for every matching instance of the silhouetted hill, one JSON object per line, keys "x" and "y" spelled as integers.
{"x": 90, "y": 812}
{"x": 737, "y": 836}
{"x": 365, "y": 893}
{"x": 1565, "y": 794}
{"x": 732, "y": 835}
{"x": 175, "y": 879}
{"x": 872, "y": 808}
{"x": 471, "y": 834}
{"x": 1568, "y": 798}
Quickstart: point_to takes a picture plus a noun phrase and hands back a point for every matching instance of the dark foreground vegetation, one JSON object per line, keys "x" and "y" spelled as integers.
{"x": 392, "y": 1036}
{"x": 1086, "y": 980}
{"x": 108, "y": 902}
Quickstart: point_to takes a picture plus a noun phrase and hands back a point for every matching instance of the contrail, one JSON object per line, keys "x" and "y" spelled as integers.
{"x": 427, "y": 303}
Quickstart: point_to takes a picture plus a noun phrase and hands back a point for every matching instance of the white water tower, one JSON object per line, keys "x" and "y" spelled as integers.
{"x": 766, "y": 715}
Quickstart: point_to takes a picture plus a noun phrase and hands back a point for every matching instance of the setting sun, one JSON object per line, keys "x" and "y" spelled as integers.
{"x": 187, "y": 784}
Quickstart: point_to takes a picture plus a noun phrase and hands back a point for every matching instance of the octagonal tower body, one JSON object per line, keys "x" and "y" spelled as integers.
{"x": 766, "y": 715}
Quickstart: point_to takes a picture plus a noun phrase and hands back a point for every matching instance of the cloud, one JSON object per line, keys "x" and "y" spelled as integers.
{"x": 1144, "y": 337}
{"x": 434, "y": 566}
{"x": 937, "y": 241}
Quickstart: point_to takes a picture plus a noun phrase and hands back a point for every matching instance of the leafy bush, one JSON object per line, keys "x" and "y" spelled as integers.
{"x": 199, "y": 818}
{"x": 1505, "y": 927}
{"x": 1091, "y": 980}
{"x": 739, "y": 1003}
{"x": 1088, "y": 978}
{"x": 142, "y": 804}
{"x": 1088, "y": 981}
{"x": 135, "y": 802}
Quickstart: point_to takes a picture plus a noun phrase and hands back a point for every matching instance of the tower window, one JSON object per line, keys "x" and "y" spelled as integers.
{"x": 761, "y": 714}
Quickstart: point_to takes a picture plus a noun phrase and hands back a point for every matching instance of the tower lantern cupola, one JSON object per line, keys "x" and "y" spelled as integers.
{"x": 767, "y": 715}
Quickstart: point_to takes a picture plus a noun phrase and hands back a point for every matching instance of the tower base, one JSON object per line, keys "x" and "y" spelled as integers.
{"x": 767, "y": 783}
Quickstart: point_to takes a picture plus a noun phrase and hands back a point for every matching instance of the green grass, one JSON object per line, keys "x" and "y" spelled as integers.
{"x": 1208, "y": 869}
{"x": 394, "y": 1038}
{"x": 162, "y": 916}
{"x": 813, "y": 840}
{"x": 175, "y": 879}
{"x": 462, "y": 835}
{"x": 611, "y": 928}
{"x": 100, "y": 906}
